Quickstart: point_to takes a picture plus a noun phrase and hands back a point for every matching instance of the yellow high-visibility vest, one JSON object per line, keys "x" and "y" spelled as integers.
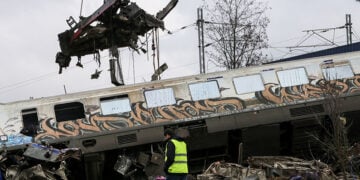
{"x": 180, "y": 161}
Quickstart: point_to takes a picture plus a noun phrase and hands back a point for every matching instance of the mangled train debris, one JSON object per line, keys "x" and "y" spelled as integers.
{"x": 269, "y": 167}
{"x": 43, "y": 161}
{"x": 50, "y": 154}
{"x": 116, "y": 24}
{"x": 291, "y": 167}
{"x": 231, "y": 171}
{"x": 38, "y": 162}
{"x": 150, "y": 164}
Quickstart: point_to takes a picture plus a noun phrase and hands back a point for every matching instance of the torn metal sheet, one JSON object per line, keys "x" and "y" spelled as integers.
{"x": 50, "y": 154}
{"x": 122, "y": 164}
{"x": 151, "y": 164}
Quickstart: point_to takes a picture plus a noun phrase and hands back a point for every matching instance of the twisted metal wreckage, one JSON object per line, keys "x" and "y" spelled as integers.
{"x": 38, "y": 161}
{"x": 118, "y": 23}
{"x": 280, "y": 167}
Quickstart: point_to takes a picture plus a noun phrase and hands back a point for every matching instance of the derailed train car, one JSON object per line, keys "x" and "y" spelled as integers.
{"x": 269, "y": 109}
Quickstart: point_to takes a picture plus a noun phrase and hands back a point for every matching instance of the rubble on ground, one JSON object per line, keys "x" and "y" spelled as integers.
{"x": 38, "y": 161}
{"x": 269, "y": 167}
{"x": 291, "y": 168}
{"x": 231, "y": 171}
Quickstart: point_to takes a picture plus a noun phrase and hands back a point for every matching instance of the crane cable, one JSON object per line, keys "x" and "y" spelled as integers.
{"x": 81, "y": 7}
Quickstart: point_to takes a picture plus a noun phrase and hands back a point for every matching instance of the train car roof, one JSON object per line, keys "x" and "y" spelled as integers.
{"x": 108, "y": 91}
{"x": 325, "y": 52}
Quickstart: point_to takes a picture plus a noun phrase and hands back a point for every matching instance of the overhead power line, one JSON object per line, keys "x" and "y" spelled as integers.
{"x": 224, "y": 23}
{"x": 180, "y": 29}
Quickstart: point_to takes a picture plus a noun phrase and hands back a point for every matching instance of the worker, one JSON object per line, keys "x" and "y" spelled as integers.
{"x": 176, "y": 167}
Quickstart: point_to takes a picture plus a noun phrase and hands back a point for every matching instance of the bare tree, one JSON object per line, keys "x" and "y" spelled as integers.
{"x": 335, "y": 143}
{"x": 337, "y": 131}
{"x": 236, "y": 30}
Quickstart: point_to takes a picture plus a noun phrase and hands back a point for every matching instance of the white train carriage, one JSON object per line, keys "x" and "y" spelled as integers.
{"x": 212, "y": 106}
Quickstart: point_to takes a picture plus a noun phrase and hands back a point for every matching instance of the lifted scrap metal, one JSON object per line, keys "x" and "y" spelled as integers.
{"x": 118, "y": 24}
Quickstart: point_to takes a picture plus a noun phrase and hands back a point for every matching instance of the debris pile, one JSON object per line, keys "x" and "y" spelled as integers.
{"x": 269, "y": 167}
{"x": 231, "y": 171}
{"x": 39, "y": 161}
{"x": 291, "y": 168}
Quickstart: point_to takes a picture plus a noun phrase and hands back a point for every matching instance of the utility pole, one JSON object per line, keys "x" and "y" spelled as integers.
{"x": 348, "y": 26}
{"x": 200, "y": 25}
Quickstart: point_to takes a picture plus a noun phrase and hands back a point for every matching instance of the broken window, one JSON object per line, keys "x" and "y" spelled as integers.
{"x": 115, "y": 105}
{"x": 338, "y": 72}
{"x": 292, "y": 77}
{"x": 69, "y": 111}
{"x": 160, "y": 97}
{"x": 248, "y": 84}
{"x": 204, "y": 90}
{"x": 30, "y": 121}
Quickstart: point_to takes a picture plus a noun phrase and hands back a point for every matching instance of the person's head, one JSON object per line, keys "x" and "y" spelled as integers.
{"x": 168, "y": 133}
{"x": 182, "y": 133}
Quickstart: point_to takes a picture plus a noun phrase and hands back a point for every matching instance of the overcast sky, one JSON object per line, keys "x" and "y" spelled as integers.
{"x": 28, "y": 42}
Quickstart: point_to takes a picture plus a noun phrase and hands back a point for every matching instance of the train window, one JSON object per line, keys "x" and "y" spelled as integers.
{"x": 292, "y": 77}
{"x": 160, "y": 97}
{"x": 269, "y": 75}
{"x": 69, "y": 111}
{"x": 248, "y": 84}
{"x": 115, "y": 105}
{"x": 30, "y": 121}
{"x": 338, "y": 72}
{"x": 204, "y": 90}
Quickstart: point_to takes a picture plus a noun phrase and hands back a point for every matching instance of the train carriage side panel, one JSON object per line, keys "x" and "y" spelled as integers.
{"x": 180, "y": 99}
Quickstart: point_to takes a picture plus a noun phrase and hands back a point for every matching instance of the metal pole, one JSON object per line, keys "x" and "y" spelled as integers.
{"x": 347, "y": 29}
{"x": 200, "y": 24}
{"x": 348, "y": 26}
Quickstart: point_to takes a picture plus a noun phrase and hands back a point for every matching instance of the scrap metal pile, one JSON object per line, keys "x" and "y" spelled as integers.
{"x": 117, "y": 23}
{"x": 231, "y": 171}
{"x": 292, "y": 168}
{"x": 272, "y": 167}
{"x": 43, "y": 161}
{"x": 38, "y": 162}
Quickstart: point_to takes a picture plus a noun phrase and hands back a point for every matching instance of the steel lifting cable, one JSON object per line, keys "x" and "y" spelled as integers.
{"x": 153, "y": 48}
{"x": 133, "y": 60}
{"x": 147, "y": 46}
{"x": 81, "y": 6}
{"x": 157, "y": 50}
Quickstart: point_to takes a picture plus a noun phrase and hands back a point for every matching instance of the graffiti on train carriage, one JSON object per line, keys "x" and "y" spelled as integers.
{"x": 8, "y": 133}
{"x": 95, "y": 122}
{"x": 274, "y": 94}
